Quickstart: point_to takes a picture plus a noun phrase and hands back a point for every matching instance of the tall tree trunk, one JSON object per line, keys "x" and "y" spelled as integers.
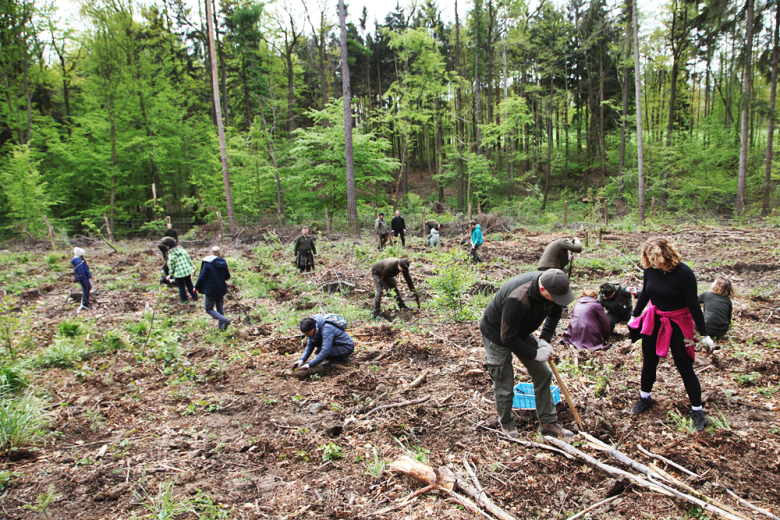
{"x": 290, "y": 93}
{"x": 672, "y": 103}
{"x": 549, "y": 144}
{"x": 349, "y": 159}
{"x": 602, "y": 137}
{"x": 220, "y": 128}
{"x": 23, "y": 57}
{"x": 113, "y": 168}
{"x": 477, "y": 103}
{"x": 640, "y": 146}
{"x": 458, "y": 114}
{"x": 491, "y": 18}
{"x": 506, "y": 118}
{"x": 626, "y": 93}
{"x": 771, "y": 130}
{"x": 743, "y": 149}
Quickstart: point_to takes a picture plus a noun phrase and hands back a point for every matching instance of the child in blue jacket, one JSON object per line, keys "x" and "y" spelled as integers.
{"x": 476, "y": 240}
{"x": 82, "y": 274}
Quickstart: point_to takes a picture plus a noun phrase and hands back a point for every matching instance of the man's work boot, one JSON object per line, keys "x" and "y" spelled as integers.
{"x": 376, "y": 316}
{"x": 510, "y": 432}
{"x": 403, "y": 307}
{"x": 554, "y": 429}
{"x": 642, "y": 405}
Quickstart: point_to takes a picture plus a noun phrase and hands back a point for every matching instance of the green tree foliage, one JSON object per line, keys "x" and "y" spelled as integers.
{"x": 25, "y": 191}
{"x": 119, "y": 101}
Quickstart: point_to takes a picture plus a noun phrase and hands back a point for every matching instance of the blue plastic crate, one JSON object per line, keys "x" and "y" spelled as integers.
{"x": 524, "y": 396}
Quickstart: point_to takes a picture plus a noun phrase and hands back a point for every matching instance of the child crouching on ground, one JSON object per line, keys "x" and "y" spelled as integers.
{"x": 717, "y": 306}
{"x": 82, "y": 274}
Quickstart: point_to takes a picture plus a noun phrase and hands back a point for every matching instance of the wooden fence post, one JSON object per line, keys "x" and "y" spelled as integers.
{"x": 652, "y": 205}
{"x": 327, "y": 221}
{"x": 606, "y": 213}
{"x": 518, "y": 214}
{"x": 221, "y": 229}
{"x": 108, "y": 228}
{"x": 565, "y": 213}
{"x": 154, "y": 193}
{"x": 470, "y": 211}
{"x": 423, "y": 222}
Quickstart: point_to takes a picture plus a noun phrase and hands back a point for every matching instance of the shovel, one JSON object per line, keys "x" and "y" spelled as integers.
{"x": 239, "y": 304}
{"x": 565, "y": 390}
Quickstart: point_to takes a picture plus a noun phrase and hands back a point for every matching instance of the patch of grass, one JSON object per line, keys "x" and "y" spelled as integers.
{"x": 331, "y": 451}
{"x": 205, "y": 508}
{"x": 720, "y": 422}
{"x": 6, "y": 477}
{"x": 163, "y": 505}
{"x": 53, "y": 260}
{"x": 12, "y": 380}
{"x": 69, "y": 329}
{"x": 682, "y": 424}
{"x": 62, "y": 353}
{"x": 10, "y": 319}
{"x": 22, "y": 422}
{"x": 748, "y": 379}
{"x": 376, "y": 467}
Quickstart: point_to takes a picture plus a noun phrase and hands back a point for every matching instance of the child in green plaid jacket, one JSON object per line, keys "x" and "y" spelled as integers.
{"x": 181, "y": 269}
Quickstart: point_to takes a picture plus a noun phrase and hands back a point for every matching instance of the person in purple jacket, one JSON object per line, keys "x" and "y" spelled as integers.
{"x": 82, "y": 274}
{"x": 589, "y": 327}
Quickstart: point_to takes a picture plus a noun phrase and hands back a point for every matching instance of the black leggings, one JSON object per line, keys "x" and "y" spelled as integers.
{"x": 682, "y": 361}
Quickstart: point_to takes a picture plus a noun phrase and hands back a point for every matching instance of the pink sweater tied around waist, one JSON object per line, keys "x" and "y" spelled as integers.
{"x": 682, "y": 317}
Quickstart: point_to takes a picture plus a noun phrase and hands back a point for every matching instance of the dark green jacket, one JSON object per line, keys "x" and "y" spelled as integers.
{"x": 388, "y": 269}
{"x": 516, "y": 311}
{"x": 304, "y": 245}
{"x": 556, "y": 254}
{"x": 717, "y": 311}
{"x": 620, "y": 304}
{"x": 431, "y": 224}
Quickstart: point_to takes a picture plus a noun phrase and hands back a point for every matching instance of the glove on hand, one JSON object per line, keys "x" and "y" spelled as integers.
{"x": 544, "y": 352}
{"x": 576, "y": 240}
{"x": 707, "y": 341}
{"x": 297, "y": 364}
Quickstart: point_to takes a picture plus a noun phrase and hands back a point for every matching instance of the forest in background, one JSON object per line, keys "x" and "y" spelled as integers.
{"x": 508, "y": 103}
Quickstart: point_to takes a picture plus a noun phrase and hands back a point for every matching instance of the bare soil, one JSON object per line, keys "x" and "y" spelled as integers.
{"x": 230, "y": 421}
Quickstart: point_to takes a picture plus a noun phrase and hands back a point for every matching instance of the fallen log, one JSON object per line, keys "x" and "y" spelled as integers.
{"x": 417, "y": 382}
{"x": 591, "y": 508}
{"x": 445, "y": 480}
{"x": 528, "y": 444}
{"x": 396, "y": 405}
{"x": 649, "y": 483}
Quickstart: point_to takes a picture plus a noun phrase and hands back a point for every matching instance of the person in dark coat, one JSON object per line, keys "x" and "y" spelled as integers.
{"x": 617, "y": 301}
{"x": 589, "y": 327}
{"x": 82, "y": 274}
{"x": 558, "y": 253}
{"x": 508, "y": 324}
{"x": 383, "y": 231}
{"x": 330, "y": 343}
{"x": 398, "y": 225}
{"x": 214, "y": 273}
{"x": 305, "y": 251}
{"x": 170, "y": 232}
{"x": 384, "y": 273}
{"x": 165, "y": 245}
{"x": 718, "y": 307}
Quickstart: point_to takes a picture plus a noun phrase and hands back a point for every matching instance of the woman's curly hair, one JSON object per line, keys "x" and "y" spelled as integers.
{"x": 661, "y": 254}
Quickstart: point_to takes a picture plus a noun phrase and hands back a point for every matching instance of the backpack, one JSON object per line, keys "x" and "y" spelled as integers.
{"x": 337, "y": 320}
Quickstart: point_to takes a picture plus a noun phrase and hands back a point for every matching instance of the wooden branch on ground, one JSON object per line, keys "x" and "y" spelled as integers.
{"x": 692, "y": 474}
{"x": 649, "y": 483}
{"x": 591, "y": 508}
{"x": 444, "y": 480}
{"x": 528, "y": 444}
{"x": 417, "y": 382}
{"x": 396, "y": 405}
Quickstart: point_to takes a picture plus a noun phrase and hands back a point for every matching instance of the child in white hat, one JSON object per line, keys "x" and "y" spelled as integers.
{"x": 81, "y": 271}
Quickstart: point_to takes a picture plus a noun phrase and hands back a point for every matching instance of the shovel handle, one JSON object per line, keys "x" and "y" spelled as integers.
{"x": 569, "y": 400}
